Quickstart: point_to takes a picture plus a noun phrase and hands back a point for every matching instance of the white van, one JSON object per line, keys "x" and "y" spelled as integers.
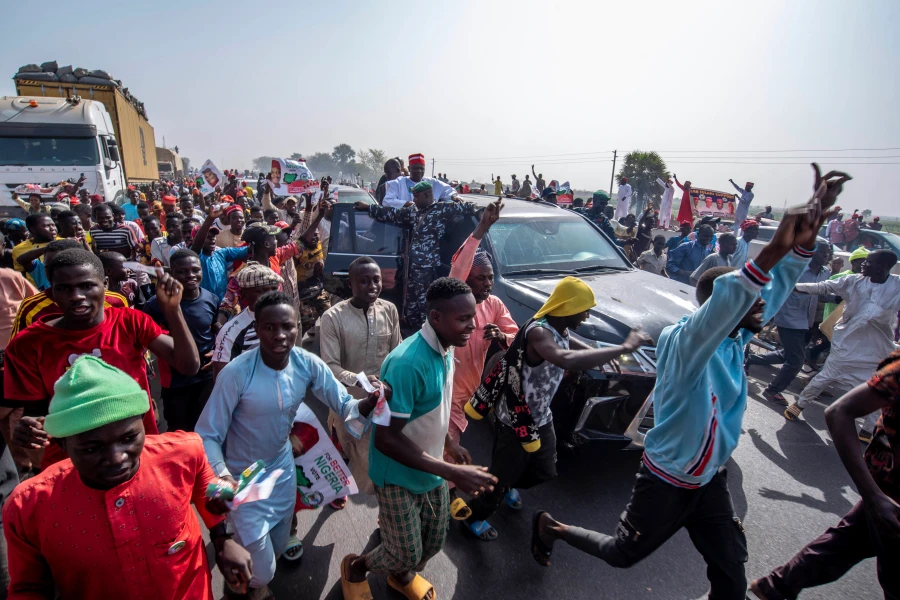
{"x": 48, "y": 140}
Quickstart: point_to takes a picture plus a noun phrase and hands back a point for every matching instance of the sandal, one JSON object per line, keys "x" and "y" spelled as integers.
{"x": 459, "y": 510}
{"x": 775, "y": 397}
{"x": 294, "y": 549}
{"x": 339, "y": 503}
{"x": 417, "y": 589}
{"x": 793, "y": 411}
{"x": 513, "y": 499}
{"x": 539, "y": 550}
{"x": 482, "y": 530}
{"x": 353, "y": 590}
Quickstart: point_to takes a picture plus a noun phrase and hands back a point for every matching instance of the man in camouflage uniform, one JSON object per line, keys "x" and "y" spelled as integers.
{"x": 428, "y": 221}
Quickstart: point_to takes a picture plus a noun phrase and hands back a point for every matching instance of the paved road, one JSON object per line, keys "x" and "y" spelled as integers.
{"x": 788, "y": 486}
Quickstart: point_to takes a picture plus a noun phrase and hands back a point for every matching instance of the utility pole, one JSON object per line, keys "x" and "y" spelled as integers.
{"x": 612, "y": 175}
{"x": 432, "y": 167}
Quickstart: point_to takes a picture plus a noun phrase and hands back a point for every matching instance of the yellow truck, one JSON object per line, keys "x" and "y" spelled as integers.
{"x": 134, "y": 134}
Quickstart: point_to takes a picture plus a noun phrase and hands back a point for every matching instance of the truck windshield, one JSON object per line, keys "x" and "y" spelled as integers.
{"x": 48, "y": 151}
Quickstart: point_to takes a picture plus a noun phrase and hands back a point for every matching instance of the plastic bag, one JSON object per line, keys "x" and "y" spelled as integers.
{"x": 32, "y": 68}
{"x": 49, "y": 66}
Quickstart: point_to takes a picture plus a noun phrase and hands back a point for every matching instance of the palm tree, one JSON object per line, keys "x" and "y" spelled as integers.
{"x": 642, "y": 169}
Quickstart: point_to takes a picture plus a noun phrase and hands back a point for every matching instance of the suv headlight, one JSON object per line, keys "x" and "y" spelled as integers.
{"x": 631, "y": 363}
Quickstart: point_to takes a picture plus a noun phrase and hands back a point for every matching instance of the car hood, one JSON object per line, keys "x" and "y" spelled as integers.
{"x": 625, "y": 300}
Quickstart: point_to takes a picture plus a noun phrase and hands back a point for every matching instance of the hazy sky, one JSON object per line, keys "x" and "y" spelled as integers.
{"x": 490, "y": 87}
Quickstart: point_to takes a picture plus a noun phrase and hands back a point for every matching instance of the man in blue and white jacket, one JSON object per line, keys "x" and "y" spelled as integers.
{"x": 699, "y": 402}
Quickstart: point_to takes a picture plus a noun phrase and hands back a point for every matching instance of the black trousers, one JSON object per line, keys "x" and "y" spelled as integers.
{"x": 515, "y": 468}
{"x": 656, "y": 511}
{"x": 182, "y": 405}
{"x": 828, "y": 557}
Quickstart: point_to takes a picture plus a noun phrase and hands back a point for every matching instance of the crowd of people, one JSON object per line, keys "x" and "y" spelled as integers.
{"x": 212, "y": 294}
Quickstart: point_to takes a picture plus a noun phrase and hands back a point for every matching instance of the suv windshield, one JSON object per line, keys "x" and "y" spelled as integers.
{"x": 351, "y": 195}
{"x": 49, "y": 151}
{"x": 559, "y": 244}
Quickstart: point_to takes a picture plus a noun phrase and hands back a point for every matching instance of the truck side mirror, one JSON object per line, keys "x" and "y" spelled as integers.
{"x": 113, "y": 150}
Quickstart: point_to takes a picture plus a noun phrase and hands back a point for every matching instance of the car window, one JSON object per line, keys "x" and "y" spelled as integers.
{"x": 371, "y": 237}
{"x": 351, "y": 195}
{"x": 765, "y": 234}
{"x": 529, "y": 243}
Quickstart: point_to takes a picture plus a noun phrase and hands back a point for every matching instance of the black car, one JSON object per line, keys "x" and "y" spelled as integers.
{"x": 533, "y": 246}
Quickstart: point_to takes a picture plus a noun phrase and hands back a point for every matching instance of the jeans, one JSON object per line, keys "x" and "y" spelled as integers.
{"x": 790, "y": 357}
{"x": 828, "y": 557}
{"x": 657, "y": 510}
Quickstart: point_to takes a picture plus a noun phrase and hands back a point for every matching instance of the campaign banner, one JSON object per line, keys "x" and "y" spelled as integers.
{"x": 291, "y": 178}
{"x": 211, "y": 178}
{"x": 322, "y": 475}
{"x": 711, "y": 203}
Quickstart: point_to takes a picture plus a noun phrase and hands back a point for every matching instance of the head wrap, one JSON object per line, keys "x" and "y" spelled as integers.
{"x": 481, "y": 259}
{"x": 570, "y": 297}
{"x": 748, "y": 224}
{"x": 685, "y": 224}
{"x": 92, "y": 394}
{"x": 255, "y": 275}
{"x": 131, "y": 188}
{"x": 860, "y": 252}
{"x": 421, "y": 187}
{"x": 416, "y": 159}
{"x": 228, "y": 199}
{"x": 624, "y": 180}
{"x": 15, "y": 225}
{"x": 170, "y": 200}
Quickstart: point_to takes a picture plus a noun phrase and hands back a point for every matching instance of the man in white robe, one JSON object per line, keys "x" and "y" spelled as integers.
{"x": 398, "y": 193}
{"x": 623, "y": 199}
{"x": 665, "y": 205}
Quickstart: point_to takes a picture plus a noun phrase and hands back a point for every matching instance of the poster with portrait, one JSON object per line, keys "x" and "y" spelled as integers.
{"x": 211, "y": 177}
{"x": 711, "y": 203}
{"x": 291, "y": 178}
{"x": 322, "y": 475}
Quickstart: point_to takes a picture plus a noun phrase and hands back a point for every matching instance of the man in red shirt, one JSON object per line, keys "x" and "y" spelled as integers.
{"x": 116, "y": 520}
{"x": 40, "y": 354}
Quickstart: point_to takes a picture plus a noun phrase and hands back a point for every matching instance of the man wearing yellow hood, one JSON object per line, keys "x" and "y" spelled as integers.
{"x": 520, "y": 389}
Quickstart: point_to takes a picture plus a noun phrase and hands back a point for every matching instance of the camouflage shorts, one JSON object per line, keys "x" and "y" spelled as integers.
{"x": 313, "y": 308}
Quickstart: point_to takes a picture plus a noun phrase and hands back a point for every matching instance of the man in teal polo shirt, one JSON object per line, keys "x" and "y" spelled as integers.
{"x": 405, "y": 458}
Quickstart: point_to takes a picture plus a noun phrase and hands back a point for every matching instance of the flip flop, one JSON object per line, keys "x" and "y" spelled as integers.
{"x": 792, "y": 412}
{"x": 417, "y": 589}
{"x": 482, "y": 530}
{"x": 350, "y": 589}
{"x": 294, "y": 549}
{"x": 513, "y": 499}
{"x": 539, "y": 550}
{"x": 339, "y": 503}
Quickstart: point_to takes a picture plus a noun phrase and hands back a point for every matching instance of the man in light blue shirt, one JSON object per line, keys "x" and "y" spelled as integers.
{"x": 745, "y": 197}
{"x": 130, "y": 207}
{"x": 215, "y": 262}
{"x": 685, "y": 259}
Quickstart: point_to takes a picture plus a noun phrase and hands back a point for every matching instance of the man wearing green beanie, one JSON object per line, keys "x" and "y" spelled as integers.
{"x": 115, "y": 521}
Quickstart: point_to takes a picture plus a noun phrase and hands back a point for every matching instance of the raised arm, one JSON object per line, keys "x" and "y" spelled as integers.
{"x": 203, "y": 232}
{"x": 461, "y": 263}
{"x": 178, "y": 349}
{"x": 403, "y": 217}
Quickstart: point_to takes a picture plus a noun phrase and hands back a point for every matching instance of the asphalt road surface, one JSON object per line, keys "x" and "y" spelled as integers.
{"x": 786, "y": 480}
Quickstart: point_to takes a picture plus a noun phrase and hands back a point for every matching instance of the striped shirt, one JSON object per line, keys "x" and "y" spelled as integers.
{"x": 236, "y": 337}
{"x": 119, "y": 238}
{"x": 37, "y": 307}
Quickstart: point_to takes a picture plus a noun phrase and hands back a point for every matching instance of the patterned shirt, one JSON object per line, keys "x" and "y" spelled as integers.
{"x": 140, "y": 539}
{"x": 883, "y": 453}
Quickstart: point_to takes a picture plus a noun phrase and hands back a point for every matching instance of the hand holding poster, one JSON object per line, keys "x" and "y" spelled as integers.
{"x": 291, "y": 177}
{"x": 212, "y": 178}
{"x": 710, "y": 203}
{"x": 322, "y": 475}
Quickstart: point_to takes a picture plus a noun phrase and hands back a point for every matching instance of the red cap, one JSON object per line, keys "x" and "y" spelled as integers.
{"x": 228, "y": 199}
{"x": 130, "y": 188}
{"x": 240, "y": 194}
{"x": 169, "y": 200}
{"x": 683, "y": 223}
{"x": 96, "y": 198}
{"x": 231, "y": 209}
{"x": 416, "y": 159}
{"x": 281, "y": 225}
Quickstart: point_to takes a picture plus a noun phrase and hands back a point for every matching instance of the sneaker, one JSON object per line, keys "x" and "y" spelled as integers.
{"x": 775, "y": 397}
{"x": 865, "y": 436}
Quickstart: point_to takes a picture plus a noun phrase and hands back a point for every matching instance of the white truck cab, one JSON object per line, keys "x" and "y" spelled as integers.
{"x": 47, "y": 140}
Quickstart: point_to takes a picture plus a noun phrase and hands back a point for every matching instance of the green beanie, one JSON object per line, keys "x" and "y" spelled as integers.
{"x": 421, "y": 186}
{"x": 92, "y": 394}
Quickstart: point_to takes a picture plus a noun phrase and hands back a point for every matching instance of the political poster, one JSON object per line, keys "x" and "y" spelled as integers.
{"x": 322, "y": 475}
{"x": 211, "y": 178}
{"x": 711, "y": 203}
{"x": 291, "y": 178}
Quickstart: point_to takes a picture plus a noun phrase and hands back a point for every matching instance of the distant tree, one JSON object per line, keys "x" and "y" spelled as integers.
{"x": 321, "y": 164}
{"x": 376, "y": 160}
{"x": 263, "y": 164}
{"x": 296, "y": 156}
{"x": 343, "y": 155}
{"x": 867, "y": 213}
{"x": 642, "y": 169}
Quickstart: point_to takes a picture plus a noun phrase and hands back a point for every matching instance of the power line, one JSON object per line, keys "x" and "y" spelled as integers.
{"x": 776, "y": 151}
